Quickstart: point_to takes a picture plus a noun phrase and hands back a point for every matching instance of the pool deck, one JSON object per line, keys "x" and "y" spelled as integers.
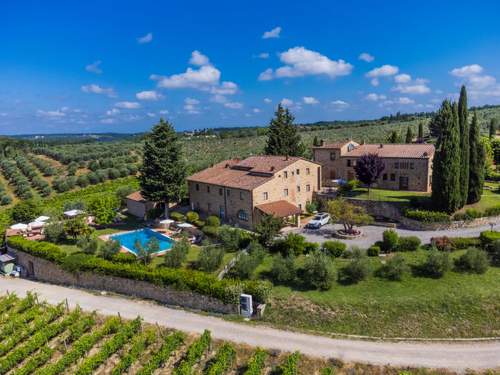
{"x": 126, "y": 250}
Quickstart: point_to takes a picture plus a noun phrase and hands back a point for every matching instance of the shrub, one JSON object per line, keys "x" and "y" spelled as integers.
{"x": 461, "y": 243}
{"x": 44, "y": 250}
{"x": 348, "y": 186}
{"x": 311, "y": 247}
{"x": 494, "y": 251}
{"x": 488, "y": 237}
{"x": 292, "y": 244}
{"x": 473, "y": 261}
{"x": 390, "y": 239}
{"x": 410, "y": 243}
{"x": 247, "y": 262}
{"x": 126, "y": 258}
{"x": 54, "y": 232}
{"x": 311, "y": 207}
{"x": 212, "y": 221}
{"x": 442, "y": 243}
{"x": 26, "y": 211}
{"x": 358, "y": 269}
{"x": 467, "y": 215}
{"x": 229, "y": 237}
{"x": 373, "y": 251}
{"x": 103, "y": 208}
{"x": 283, "y": 269}
{"x": 6, "y": 199}
{"x": 110, "y": 248}
{"x": 210, "y": 230}
{"x": 210, "y": 258}
{"x": 394, "y": 268}
{"x": 192, "y": 217}
{"x": 88, "y": 245}
{"x": 334, "y": 248}
{"x": 177, "y": 254}
{"x": 319, "y": 272}
{"x": 492, "y": 211}
{"x": 436, "y": 264}
{"x": 427, "y": 216}
{"x": 177, "y": 216}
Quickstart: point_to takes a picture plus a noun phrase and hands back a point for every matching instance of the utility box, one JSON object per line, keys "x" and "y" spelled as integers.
{"x": 246, "y": 305}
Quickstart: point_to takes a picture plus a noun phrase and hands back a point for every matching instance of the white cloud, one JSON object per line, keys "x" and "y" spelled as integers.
{"x": 417, "y": 88}
{"x": 256, "y": 110}
{"x": 128, "y": 105}
{"x": 108, "y": 121}
{"x": 151, "y": 114}
{"x": 300, "y": 62}
{"x": 263, "y": 55}
{"x": 340, "y": 105}
{"x": 193, "y": 78}
{"x": 287, "y": 102}
{"x": 163, "y": 112}
{"x": 374, "y": 81}
{"x": 402, "y": 78}
{"x": 310, "y": 100}
{"x": 145, "y": 39}
{"x": 58, "y": 113}
{"x": 267, "y": 100}
{"x": 199, "y": 59}
{"x": 225, "y": 88}
{"x": 375, "y": 97}
{"x": 405, "y": 100}
{"x": 467, "y": 70}
{"x": 94, "y": 67}
{"x": 191, "y": 106}
{"x": 148, "y": 95}
{"x": 113, "y": 112}
{"x": 233, "y": 105}
{"x": 266, "y": 75}
{"x": 274, "y": 33}
{"x": 383, "y": 71}
{"x": 481, "y": 82}
{"x": 96, "y": 89}
{"x": 365, "y": 56}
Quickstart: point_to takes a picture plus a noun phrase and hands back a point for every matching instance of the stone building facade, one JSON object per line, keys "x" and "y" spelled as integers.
{"x": 240, "y": 192}
{"x": 407, "y": 166}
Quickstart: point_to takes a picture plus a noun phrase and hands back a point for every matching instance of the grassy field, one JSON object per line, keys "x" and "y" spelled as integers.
{"x": 457, "y": 305}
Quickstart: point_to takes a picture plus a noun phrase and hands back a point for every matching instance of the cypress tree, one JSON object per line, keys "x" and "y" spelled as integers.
{"x": 163, "y": 171}
{"x": 409, "y": 135}
{"x": 316, "y": 141}
{"x": 420, "y": 132}
{"x": 493, "y": 128}
{"x": 394, "y": 137}
{"x": 477, "y": 163}
{"x": 283, "y": 137}
{"x": 446, "y": 166}
{"x": 463, "y": 121}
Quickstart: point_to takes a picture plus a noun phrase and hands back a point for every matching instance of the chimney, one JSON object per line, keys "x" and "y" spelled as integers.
{"x": 272, "y": 168}
{"x": 227, "y": 165}
{"x": 286, "y": 157}
{"x": 322, "y": 142}
{"x": 381, "y": 146}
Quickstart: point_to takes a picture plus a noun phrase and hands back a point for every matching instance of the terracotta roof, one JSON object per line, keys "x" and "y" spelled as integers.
{"x": 279, "y": 208}
{"x": 413, "y": 151}
{"x": 243, "y": 174}
{"x": 136, "y": 196}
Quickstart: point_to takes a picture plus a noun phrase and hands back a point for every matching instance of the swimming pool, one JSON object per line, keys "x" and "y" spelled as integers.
{"x": 129, "y": 239}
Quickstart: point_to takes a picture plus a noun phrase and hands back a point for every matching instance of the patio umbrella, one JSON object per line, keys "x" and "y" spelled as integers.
{"x": 19, "y": 226}
{"x": 42, "y": 219}
{"x": 185, "y": 225}
{"x": 36, "y": 224}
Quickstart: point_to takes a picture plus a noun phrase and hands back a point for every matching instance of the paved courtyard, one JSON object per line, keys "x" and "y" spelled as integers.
{"x": 373, "y": 233}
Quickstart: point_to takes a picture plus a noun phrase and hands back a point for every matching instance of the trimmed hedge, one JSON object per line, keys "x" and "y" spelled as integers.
{"x": 227, "y": 290}
{"x": 428, "y": 216}
{"x": 488, "y": 237}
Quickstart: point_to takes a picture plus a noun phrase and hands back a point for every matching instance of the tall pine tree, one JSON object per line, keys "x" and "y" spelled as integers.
{"x": 463, "y": 122}
{"x": 409, "y": 135}
{"x": 420, "y": 132}
{"x": 477, "y": 162}
{"x": 446, "y": 193}
{"x": 283, "y": 137}
{"x": 163, "y": 171}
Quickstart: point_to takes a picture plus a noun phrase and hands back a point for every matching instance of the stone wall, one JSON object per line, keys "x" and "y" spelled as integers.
{"x": 43, "y": 270}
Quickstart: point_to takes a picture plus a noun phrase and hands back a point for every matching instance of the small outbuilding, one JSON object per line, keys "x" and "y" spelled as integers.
{"x": 7, "y": 263}
{"x": 137, "y": 205}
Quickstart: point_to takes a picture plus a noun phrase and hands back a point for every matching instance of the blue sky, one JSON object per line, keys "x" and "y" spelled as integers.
{"x": 117, "y": 66}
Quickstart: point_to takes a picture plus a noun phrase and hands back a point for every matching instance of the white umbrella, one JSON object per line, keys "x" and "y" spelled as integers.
{"x": 73, "y": 213}
{"x": 42, "y": 219}
{"x": 36, "y": 224}
{"x": 185, "y": 225}
{"x": 19, "y": 226}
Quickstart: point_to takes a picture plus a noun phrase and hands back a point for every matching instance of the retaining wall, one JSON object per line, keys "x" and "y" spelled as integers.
{"x": 43, "y": 270}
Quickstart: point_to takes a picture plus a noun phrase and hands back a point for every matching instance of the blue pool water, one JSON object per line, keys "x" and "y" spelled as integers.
{"x": 129, "y": 239}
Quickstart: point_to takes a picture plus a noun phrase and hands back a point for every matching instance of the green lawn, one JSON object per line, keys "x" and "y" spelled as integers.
{"x": 457, "y": 305}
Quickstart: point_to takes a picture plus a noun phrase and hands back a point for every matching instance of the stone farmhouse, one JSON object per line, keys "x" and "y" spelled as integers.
{"x": 241, "y": 192}
{"x": 407, "y": 166}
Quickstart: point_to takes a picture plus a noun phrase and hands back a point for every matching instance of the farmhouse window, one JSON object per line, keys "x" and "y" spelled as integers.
{"x": 393, "y": 177}
{"x": 197, "y": 187}
{"x": 412, "y": 165}
{"x": 265, "y": 196}
{"x": 333, "y": 155}
{"x": 220, "y": 191}
{"x": 242, "y": 215}
{"x": 298, "y": 172}
{"x": 228, "y": 192}
{"x": 241, "y": 195}
{"x": 308, "y": 171}
{"x": 384, "y": 177}
{"x": 396, "y": 165}
{"x": 348, "y": 162}
{"x": 285, "y": 174}
{"x": 308, "y": 187}
{"x": 285, "y": 192}
{"x": 208, "y": 189}
{"x": 298, "y": 188}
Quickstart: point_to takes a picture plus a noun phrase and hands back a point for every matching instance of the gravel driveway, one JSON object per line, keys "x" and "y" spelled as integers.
{"x": 455, "y": 356}
{"x": 372, "y": 233}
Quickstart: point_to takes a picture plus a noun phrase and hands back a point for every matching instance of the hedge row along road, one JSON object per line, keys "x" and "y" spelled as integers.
{"x": 454, "y": 356}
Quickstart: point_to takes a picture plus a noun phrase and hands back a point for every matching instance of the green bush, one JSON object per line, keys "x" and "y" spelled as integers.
{"x": 54, "y": 232}
{"x": 373, "y": 251}
{"x": 192, "y": 217}
{"x": 210, "y": 258}
{"x": 126, "y": 258}
{"x": 311, "y": 207}
{"x": 210, "y": 230}
{"x": 290, "y": 365}
{"x": 473, "y": 261}
{"x": 488, "y": 237}
{"x": 436, "y": 264}
{"x": 442, "y": 243}
{"x": 334, "y": 248}
{"x": 26, "y": 211}
{"x": 180, "y": 279}
{"x": 410, "y": 243}
{"x": 427, "y": 216}
{"x": 311, "y": 247}
{"x": 283, "y": 269}
{"x": 177, "y": 216}
{"x": 247, "y": 262}
{"x": 319, "y": 272}
{"x": 199, "y": 223}
{"x": 492, "y": 211}
{"x": 461, "y": 243}
{"x": 348, "y": 186}
{"x": 358, "y": 269}
{"x": 394, "y": 268}
{"x": 257, "y": 363}
{"x": 212, "y": 221}
{"x": 390, "y": 240}
{"x": 494, "y": 251}
{"x": 292, "y": 244}
{"x": 177, "y": 254}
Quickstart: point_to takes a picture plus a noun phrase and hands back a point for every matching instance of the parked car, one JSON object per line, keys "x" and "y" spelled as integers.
{"x": 318, "y": 221}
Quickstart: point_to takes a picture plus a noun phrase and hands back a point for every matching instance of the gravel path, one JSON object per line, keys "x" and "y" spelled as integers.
{"x": 454, "y": 356}
{"x": 372, "y": 233}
